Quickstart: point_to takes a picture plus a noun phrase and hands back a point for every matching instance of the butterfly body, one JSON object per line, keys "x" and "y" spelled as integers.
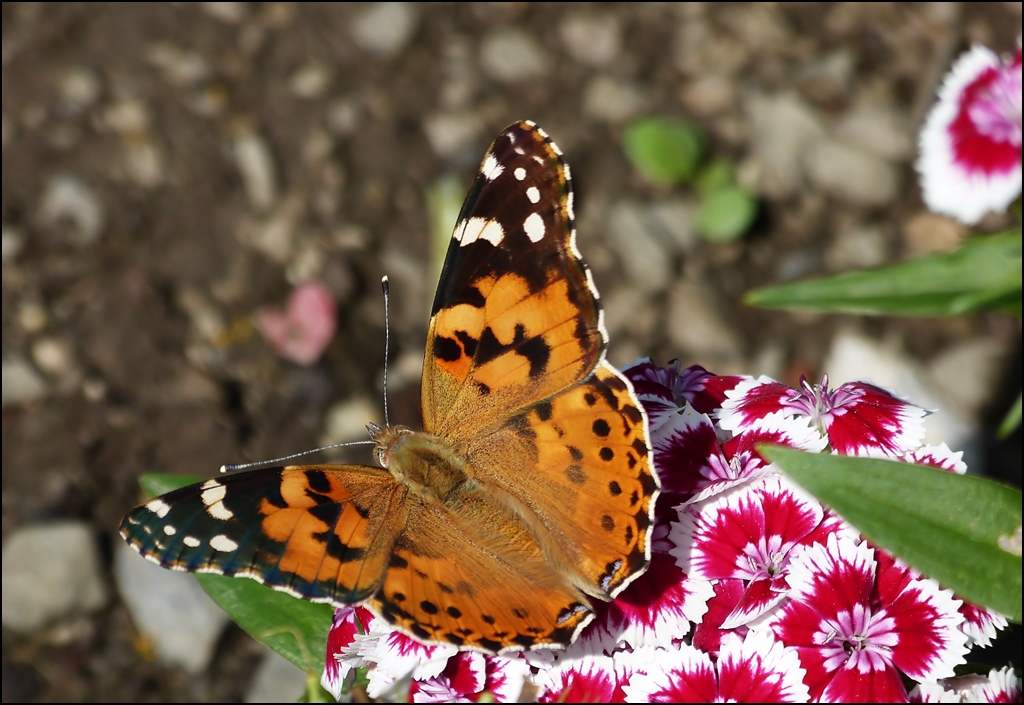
{"x": 530, "y": 489}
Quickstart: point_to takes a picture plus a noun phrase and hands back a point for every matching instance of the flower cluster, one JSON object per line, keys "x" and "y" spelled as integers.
{"x": 755, "y": 593}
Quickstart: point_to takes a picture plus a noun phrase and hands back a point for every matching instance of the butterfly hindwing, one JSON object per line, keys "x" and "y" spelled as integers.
{"x": 516, "y": 317}
{"x": 583, "y": 467}
{"x": 499, "y": 595}
{"x": 323, "y": 533}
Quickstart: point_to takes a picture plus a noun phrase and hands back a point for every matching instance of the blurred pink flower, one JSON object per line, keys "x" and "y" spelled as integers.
{"x": 971, "y": 142}
{"x": 303, "y": 330}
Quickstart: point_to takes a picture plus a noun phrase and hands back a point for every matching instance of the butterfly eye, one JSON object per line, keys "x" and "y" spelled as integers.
{"x": 381, "y": 456}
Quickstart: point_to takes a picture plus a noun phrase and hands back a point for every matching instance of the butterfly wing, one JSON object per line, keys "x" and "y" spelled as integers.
{"x": 323, "y": 533}
{"x": 515, "y": 318}
{"x": 580, "y": 462}
{"x": 514, "y": 373}
{"x": 475, "y": 579}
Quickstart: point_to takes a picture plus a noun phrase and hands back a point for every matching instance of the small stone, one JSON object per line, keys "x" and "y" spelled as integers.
{"x": 854, "y": 356}
{"x": 881, "y": 132}
{"x": 94, "y": 389}
{"x": 592, "y": 40}
{"x": 966, "y": 374}
{"x": 12, "y": 241}
{"x": 928, "y": 232}
{"x": 782, "y": 127}
{"x": 277, "y": 680}
{"x": 129, "y": 116}
{"x": 21, "y": 383}
{"x": 343, "y": 116}
{"x": 208, "y": 323}
{"x": 858, "y": 248}
{"x": 307, "y": 264}
{"x": 170, "y": 609}
{"x": 451, "y": 134}
{"x": 310, "y": 81}
{"x": 227, "y": 12}
{"x": 53, "y": 356}
{"x": 143, "y": 161}
{"x": 67, "y": 199}
{"x": 317, "y": 146}
{"x": 80, "y": 88}
{"x": 256, "y": 164}
{"x": 828, "y": 78}
{"x": 509, "y": 55}
{"x": 385, "y": 28}
{"x": 709, "y": 95}
{"x": 674, "y": 218}
{"x": 346, "y": 420}
{"x": 32, "y": 316}
{"x": 50, "y": 571}
{"x": 274, "y": 236}
{"x": 851, "y": 174}
{"x": 607, "y": 98}
{"x": 405, "y": 371}
{"x": 644, "y": 256}
{"x": 179, "y": 67}
{"x": 697, "y": 327}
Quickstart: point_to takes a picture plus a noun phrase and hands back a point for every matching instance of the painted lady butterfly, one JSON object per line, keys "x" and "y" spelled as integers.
{"x": 530, "y": 489}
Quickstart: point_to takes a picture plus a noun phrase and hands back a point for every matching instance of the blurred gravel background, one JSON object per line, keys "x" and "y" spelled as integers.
{"x": 170, "y": 169}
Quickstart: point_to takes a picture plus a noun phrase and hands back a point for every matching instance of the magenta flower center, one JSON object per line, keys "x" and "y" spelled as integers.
{"x": 996, "y": 110}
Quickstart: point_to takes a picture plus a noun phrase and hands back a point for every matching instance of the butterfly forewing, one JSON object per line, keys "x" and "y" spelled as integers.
{"x": 322, "y": 533}
{"x": 515, "y": 318}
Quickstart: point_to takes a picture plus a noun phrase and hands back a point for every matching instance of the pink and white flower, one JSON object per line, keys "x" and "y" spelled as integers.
{"x": 858, "y": 619}
{"x": 857, "y": 418}
{"x": 304, "y": 329}
{"x": 1000, "y": 686}
{"x": 754, "y": 669}
{"x": 970, "y": 144}
{"x": 747, "y": 534}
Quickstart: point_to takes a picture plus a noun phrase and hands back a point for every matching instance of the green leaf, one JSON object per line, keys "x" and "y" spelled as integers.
{"x": 950, "y": 527}
{"x": 726, "y": 214}
{"x": 1012, "y": 420}
{"x": 294, "y": 628}
{"x": 666, "y": 151}
{"x": 984, "y": 274}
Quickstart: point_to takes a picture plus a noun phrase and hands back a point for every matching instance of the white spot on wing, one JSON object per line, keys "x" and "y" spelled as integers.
{"x": 191, "y": 542}
{"x": 170, "y": 530}
{"x": 533, "y": 194}
{"x": 519, "y": 150}
{"x": 565, "y": 168}
{"x": 534, "y": 227}
{"x": 213, "y": 497}
{"x": 159, "y": 507}
{"x": 520, "y": 173}
{"x": 220, "y": 542}
{"x": 568, "y": 207}
{"x": 491, "y": 169}
{"x": 473, "y": 229}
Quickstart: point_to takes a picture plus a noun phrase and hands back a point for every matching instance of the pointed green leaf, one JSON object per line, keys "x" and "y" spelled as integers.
{"x": 962, "y": 530}
{"x": 984, "y": 274}
{"x": 1012, "y": 420}
{"x": 294, "y": 628}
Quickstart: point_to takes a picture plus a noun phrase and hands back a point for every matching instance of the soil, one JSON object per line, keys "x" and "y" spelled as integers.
{"x": 164, "y": 371}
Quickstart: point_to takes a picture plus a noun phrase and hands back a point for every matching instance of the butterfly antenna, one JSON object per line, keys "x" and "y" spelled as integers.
{"x": 387, "y": 343}
{"x": 245, "y": 466}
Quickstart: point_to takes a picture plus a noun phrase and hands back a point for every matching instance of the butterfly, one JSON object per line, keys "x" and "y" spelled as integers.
{"x": 530, "y": 490}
